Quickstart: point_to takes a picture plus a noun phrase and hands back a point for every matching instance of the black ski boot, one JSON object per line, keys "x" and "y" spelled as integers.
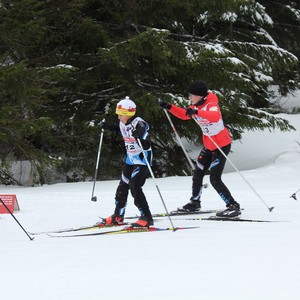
{"x": 192, "y": 206}
{"x": 232, "y": 211}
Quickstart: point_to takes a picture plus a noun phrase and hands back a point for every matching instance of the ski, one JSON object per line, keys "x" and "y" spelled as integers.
{"x": 236, "y": 219}
{"x": 96, "y": 226}
{"x": 186, "y": 213}
{"x": 128, "y": 229}
{"x": 178, "y": 213}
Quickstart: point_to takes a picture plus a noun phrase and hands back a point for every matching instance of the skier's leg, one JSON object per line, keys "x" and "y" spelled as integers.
{"x": 138, "y": 179}
{"x": 202, "y": 164}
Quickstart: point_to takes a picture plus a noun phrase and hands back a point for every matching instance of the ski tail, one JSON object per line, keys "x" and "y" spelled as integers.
{"x": 95, "y": 226}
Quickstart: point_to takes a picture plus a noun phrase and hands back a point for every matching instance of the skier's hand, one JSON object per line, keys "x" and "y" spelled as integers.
{"x": 164, "y": 104}
{"x": 135, "y": 133}
{"x": 191, "y": 111}
{"x": 102, "y": 124}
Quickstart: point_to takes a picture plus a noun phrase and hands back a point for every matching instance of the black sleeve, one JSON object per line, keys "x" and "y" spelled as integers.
{"x": 113, "y": 128}
{"x": 139, "y": 132}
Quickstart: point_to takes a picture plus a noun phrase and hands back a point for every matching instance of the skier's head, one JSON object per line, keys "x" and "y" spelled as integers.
{"x": 198, "y": 88}
{"x": 126, "y": 107}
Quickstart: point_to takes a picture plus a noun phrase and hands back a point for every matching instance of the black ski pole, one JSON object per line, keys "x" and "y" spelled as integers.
{"x": 294, "y": 195}
{"x": 30, "y": 237}
{"x": 94, "y": 198}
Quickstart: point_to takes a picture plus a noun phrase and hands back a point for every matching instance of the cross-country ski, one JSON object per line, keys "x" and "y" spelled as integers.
{"x": 80, "y": 228}
{"x": 127, "y": 229}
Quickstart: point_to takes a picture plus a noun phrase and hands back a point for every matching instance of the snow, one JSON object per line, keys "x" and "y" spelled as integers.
{"x": 229, "y": 16}
{"x": 263, "y": 147}
{"x": 296, "y": 12}
{"x": 290, "y": 102}
{"x": 235, "y": 61}
{"x": 217, "y": 48}
{"x": 218, "y": 260}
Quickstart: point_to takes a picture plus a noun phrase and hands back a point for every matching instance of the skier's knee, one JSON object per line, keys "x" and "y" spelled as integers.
{"x": 215, "y": 180}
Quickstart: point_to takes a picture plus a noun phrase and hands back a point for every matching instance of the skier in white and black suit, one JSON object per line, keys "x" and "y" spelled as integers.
{"x": 135, "y": 170}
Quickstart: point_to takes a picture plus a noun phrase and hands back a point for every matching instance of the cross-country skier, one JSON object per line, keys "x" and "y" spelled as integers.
{"x": 135, "y": 170}
{"x": 205, "y": 109}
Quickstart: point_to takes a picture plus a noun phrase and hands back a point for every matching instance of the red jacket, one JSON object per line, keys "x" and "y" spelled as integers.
{"x": 210, "y": 120}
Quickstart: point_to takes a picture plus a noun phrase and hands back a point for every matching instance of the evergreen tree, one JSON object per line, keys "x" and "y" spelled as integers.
{"x": 286, "y": 17}
{"x": 65, "y": 64}
{"x": 227, "y": 45}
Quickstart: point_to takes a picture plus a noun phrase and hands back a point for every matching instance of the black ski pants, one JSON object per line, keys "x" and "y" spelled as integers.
{"x": 133, "y": 178}
{"x": 213, "y": 161}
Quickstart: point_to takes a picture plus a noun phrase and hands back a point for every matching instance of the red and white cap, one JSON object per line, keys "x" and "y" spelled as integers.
{"x": 126, "y": 107}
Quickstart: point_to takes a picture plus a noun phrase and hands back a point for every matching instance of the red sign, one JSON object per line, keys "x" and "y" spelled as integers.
{"x": 10, "y": 201}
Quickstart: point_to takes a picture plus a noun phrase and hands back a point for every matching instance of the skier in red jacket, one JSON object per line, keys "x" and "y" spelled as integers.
{"x": 205, "y": 109}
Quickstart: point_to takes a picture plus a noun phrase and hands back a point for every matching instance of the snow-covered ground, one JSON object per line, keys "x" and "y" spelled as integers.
{"x": 217, "y": 261}
{"x": 289, "y": 103}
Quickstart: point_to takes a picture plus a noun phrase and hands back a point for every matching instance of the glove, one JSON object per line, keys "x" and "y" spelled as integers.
{"x": 102, "y": 124}
{"x": 164, "y": 104}
{"x": 191, "y": 111}
{"x": 134, "y": 133}
{"x": 145, "y": 144}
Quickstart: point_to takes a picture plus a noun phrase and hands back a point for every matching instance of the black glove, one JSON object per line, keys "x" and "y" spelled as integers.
{"x": 164, "y": 104}
{"x": 102, "y": 124}
{"x": 135, "y": 133}
{"x": 145, "y": 144}
{"x": 191, "y": 111}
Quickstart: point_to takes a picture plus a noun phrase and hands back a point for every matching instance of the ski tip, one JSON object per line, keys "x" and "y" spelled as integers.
{"x": 179, "y": 228}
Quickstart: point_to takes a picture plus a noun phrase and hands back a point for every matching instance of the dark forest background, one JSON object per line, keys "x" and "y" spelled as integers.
{"x": 65, "y": 64}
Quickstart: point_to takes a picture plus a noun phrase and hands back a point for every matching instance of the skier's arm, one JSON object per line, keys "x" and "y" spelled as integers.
{"x": 212, "y": 112}
{"x": 179, "y": 112}
{"x": 113, "y": 128}
{"x": 174, "y": 110}
{"x": 141, "y": 132}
